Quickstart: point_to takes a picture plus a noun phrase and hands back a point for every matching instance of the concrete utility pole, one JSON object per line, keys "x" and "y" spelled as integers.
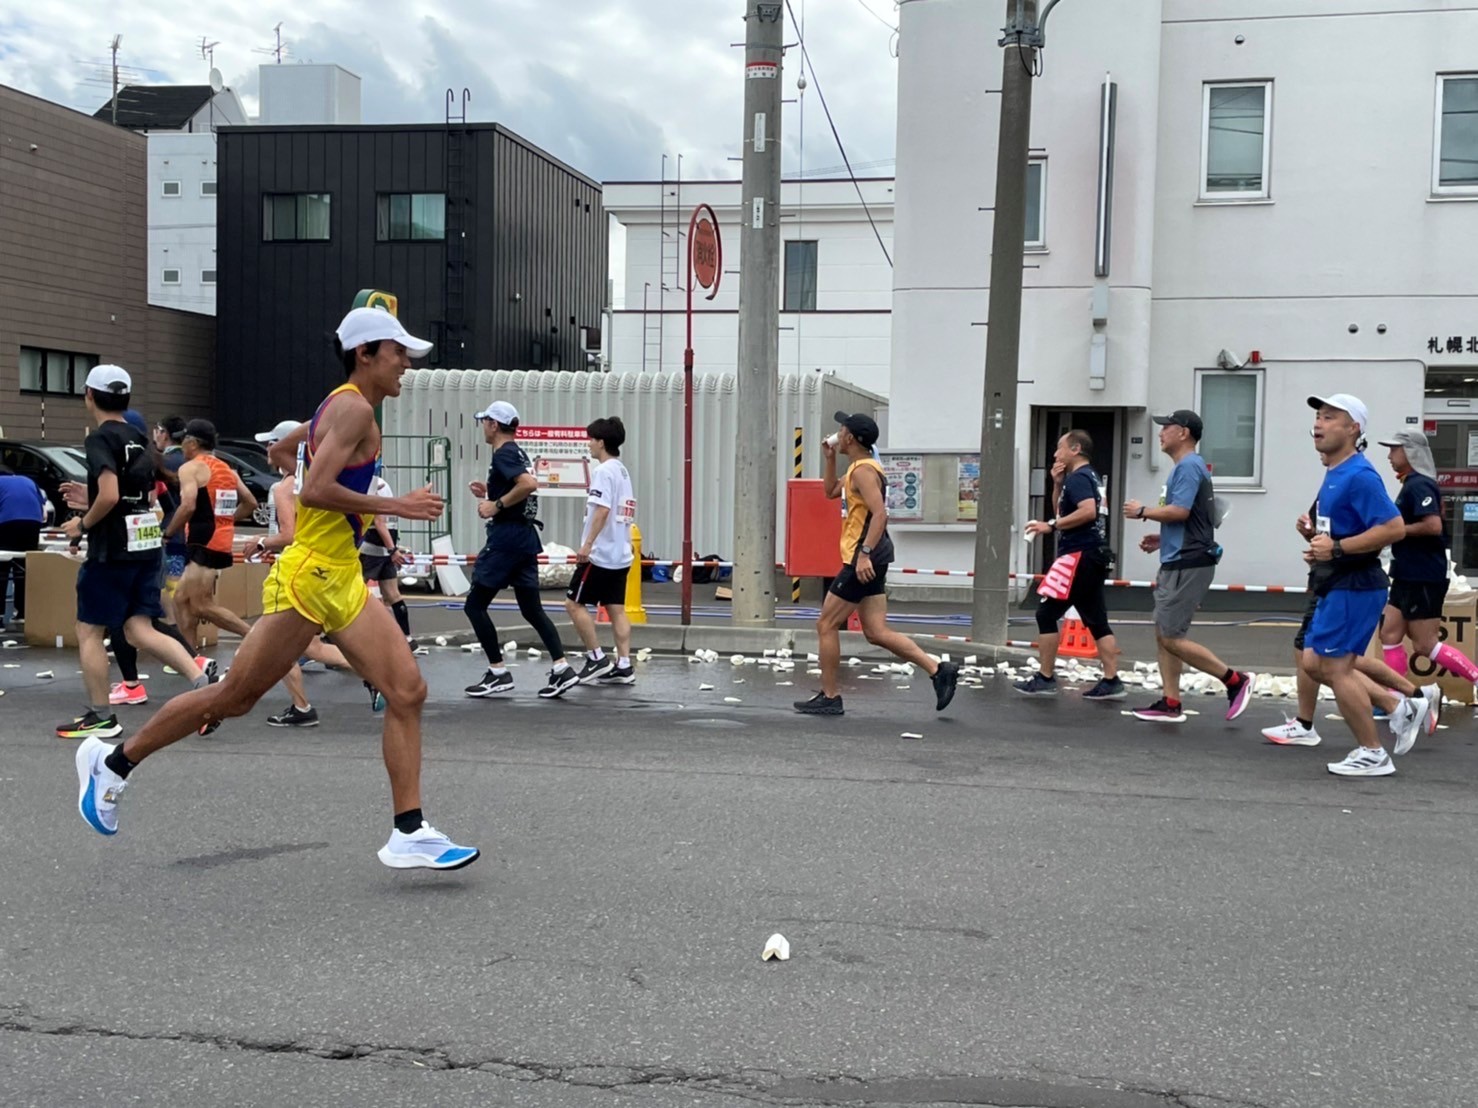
{"x": 991, "y": 599}
{"x": 759, "y": 319}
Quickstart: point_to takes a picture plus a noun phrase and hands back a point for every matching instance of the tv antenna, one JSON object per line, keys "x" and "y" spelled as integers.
{"x": 277, "y": 51}
{"x": 208, "y": 50}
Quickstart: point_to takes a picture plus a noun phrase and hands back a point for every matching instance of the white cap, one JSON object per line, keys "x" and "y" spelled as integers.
{"x": 1352, "y": 405}
{"x": 364, "y": 325}
{"x": 280, "y": 432}
{"x": 499, "y": 411}
{"x": 109, "y": 378}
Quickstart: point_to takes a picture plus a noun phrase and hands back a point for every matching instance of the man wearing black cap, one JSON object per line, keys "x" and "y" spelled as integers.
{"x": 1188, "y": 556}
{"x": 860, "y": 586}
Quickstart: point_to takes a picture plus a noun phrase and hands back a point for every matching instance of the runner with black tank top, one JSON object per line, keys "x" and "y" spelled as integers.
{"x": 508, "y": 501}
{"x": 1076, "y": 578}
{"x": 866, "y": 551}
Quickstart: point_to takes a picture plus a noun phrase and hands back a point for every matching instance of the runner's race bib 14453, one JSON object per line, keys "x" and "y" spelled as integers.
{"x": 226, "y": 503}
{"x": 144, "y": 532}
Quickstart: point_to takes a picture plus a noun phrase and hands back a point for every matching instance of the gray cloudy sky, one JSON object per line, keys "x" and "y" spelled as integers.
{"x": 607, "y": 85}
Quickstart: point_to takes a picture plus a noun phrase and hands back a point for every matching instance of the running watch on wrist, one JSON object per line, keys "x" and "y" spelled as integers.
{"x": 866, "y": 550}
{"x": 1141, "y": 511}
{"x": 1337, "y": 550}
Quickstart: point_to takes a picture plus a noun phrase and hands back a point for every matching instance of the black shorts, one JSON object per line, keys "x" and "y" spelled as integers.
{"x": 593, "y": 584}
{"x": 496, "y": 570}
{"x": 109, "y": 594}
{"x": 1418, "y": 599}
{"x": 854, "y": 591}
{"x": 210, "y": 559}
{"x": 1086, "y": 595}
{"x": 378, "y": 567}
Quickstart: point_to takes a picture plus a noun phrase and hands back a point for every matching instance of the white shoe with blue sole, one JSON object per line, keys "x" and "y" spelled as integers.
{"x": 97, "y": 799}
{"x": 426, "y": 848}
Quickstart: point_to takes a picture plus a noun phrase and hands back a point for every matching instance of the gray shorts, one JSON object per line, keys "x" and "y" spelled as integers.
{"x": 1178, "y": 593}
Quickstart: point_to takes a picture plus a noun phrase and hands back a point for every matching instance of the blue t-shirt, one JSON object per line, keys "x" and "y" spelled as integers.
{"x": 1080, "y": 485}
{"x": 1421, "y": 557}
{"x": 1352, "y": 500}
{"x": 513, "y": 529}
{"x": 1189, "y": 542}
{"x": 21, "y": 500}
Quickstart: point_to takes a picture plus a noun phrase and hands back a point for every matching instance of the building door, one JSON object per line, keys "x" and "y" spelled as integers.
{"x": 1105, "y": 427}
{"x": 1454, "y": 440}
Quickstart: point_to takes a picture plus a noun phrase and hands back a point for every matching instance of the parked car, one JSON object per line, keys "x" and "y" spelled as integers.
{"x": 248, "y": 448}
{"x": 48, "y": 464}
{"x": 255, "y": 475}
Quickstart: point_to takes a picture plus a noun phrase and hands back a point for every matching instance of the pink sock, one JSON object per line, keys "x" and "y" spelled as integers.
{"x": 1396, "y": 658}
{"x": 1454, "y": 661}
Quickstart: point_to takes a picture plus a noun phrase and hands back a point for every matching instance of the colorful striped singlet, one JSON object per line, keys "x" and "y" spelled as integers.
{"x": 332, "y": 535}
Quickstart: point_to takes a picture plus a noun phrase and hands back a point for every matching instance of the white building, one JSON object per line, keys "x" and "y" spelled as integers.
{"x": 1293, "y": 177}
{"x": 180, "y": 121}
{"x": 836, "y": 287}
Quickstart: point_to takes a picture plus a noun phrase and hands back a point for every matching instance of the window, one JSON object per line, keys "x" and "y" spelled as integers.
{"x": 171, "y": 277}
{"x": 1456, "y": 147}
{"x": 1230, "y": 403}
{"x": 54, "y": 372}
{"x": 411, "y": 217}
{"x": 1234, "y": 141}
{"x": 207, "y": 276}
{"x": 800, "y": 275}
{"x": 1036, "y": 204}
{"x": 207, "y": 188}
{"x": 171, "y": 188}
{"x": 295, "y": 217}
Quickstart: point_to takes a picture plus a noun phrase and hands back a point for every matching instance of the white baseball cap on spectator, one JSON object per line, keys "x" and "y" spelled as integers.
{"x": 278, "y": 433}
{"x": 364, "y": 325}
{"x": 109, "y": 378}
{"x": 499, "y": 411}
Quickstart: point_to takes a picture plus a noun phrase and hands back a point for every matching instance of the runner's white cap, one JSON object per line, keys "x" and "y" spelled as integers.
{"x": 109, "y": 378}
{"x": 364, "y": 325}
{"x": 280, "y": 432}
{"x": 499, "y": 411}
{"x": 1352, "y": 405}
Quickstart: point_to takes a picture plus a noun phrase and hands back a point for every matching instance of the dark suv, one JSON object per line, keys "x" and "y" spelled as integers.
{"x": 48, "y": 464}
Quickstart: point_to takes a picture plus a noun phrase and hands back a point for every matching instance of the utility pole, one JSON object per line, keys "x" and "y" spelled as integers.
{"x": 991, "y": 599}
{"x": 117, "y": 39}
{"x": 759, "y": 319}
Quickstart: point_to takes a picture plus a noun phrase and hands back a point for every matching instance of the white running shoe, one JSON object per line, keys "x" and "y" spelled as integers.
{"x": 1292, "y": 733}
{"x": 1433, "y": 695}
{"x": 1364, "y": 762}
{"x": 97, "y": 799}
{"x": 1406, "y": 723}
{"x": 426, "y": 848}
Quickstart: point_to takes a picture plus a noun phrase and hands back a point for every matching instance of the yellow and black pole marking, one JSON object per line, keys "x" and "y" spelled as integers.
{"x": 800, "y": 435}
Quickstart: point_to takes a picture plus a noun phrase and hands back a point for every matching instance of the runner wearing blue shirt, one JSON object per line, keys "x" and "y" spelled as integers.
{"x": 1188, "y": 556}
{"x": 1355, "y": 520}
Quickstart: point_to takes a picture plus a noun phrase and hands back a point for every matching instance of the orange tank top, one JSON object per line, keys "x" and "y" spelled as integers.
{"x": 213, "y": 522}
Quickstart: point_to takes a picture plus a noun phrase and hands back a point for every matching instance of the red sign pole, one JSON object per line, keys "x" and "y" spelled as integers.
{"x": 706, "y": 257}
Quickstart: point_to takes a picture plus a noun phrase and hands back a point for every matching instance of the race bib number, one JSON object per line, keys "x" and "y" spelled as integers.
{"x": 302, "y": 469}
{"x": 144, "y": 532}
{"x": 226, "y": 503}
{"x": 626, "y": 512}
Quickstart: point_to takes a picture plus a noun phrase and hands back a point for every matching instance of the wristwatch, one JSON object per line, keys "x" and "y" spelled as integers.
{"x": 498, "y": 504}
{"x": 866, "y": 549}
{"x": 1141, "y": 512}
{"x": 1337, "y": 550}
{"x": 1052, "y": 523}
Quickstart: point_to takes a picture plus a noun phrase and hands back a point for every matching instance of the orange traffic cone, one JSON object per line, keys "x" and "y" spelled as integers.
{"x": 854, "y": 622}
{"x": 601, "y": 615}
{"x": 1075, "y": 641}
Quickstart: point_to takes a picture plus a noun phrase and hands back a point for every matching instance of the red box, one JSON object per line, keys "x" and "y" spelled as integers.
{"x": 813, "y": 530}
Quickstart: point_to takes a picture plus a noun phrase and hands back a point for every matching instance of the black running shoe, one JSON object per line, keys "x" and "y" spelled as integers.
{"x": 491, "y": 684}
{"x": 621, "y": 675}
{"x": 1037, "y": 685}
{"x": 820, "y": 705}
{"x": 1110, "y": 688}
{"x": 560, "y": 682}
{"x": 595, "y": 669}
{"x": 946, "y": 679}
{"x": 294, "y": 717}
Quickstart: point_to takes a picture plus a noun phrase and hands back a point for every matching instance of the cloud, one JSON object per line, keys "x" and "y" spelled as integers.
{"x": 607, "y": 85}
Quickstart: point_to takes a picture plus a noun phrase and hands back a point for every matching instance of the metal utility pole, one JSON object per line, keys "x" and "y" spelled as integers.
{"x": 991, "y": 599}
{"x": 759, "y": 319}
{"x": 117, "y": 39}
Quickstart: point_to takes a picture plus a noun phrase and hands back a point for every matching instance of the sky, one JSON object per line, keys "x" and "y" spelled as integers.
{"x": 608, "y": 86}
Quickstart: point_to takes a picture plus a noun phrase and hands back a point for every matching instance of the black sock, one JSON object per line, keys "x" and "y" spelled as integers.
{"x": 1231, "y": 678}
{"x": 405, "y": 822}
{"x": 1306, "y": 724}
{"x": 118, "y": 762}
{"x": 402, "y": 616}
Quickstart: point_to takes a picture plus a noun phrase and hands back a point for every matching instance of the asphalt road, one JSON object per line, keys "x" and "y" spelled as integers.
{"x": 1045, "y": 905}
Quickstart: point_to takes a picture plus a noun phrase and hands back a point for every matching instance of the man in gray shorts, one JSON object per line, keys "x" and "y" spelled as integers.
{"x": 1188, "y": 556}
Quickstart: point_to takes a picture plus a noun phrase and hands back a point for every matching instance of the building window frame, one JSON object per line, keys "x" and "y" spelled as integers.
{"x": 409, "y": 217}
{"x": 1223, "y": 478}
{"x": 165, "y": 278}
{"x": 1037, "y": 243}
{"x": 42, "y": 363}
{"x": 208, "y": 188}
{"x": 1438, "y": 188}
{"x": 207, "y": 276}
{"x": 165, "y": 187}
{"x": 302, "y": 217}
{"x": 1264, "y": 191}
{"x": 804, "y": 298}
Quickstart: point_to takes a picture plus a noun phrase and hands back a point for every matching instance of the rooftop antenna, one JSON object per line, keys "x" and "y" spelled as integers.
{"x": 208, "y": 50}
{"x": 117, "y": 39}
{"x": 276, "y": 51}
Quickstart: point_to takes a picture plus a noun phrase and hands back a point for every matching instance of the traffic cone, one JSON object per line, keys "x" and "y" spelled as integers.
{"x": 854, "y": 622}
{"x": 1075, "y": 641}
{"x": 601, "y": 615}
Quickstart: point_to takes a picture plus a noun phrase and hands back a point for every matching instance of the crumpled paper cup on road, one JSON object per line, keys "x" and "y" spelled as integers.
{"x": 777, "y": 946}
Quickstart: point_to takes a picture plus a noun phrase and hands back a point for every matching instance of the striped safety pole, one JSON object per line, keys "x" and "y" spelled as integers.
{"x": 800, "y": 432}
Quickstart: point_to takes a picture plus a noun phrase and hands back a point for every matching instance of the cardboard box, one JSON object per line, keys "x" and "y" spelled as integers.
{"x": 1458, "y": 628}
{"x": 240, "y": 588}
{"x": 51, "y": 601}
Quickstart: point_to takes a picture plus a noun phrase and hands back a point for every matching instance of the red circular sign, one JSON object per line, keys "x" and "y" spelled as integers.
{"x": 705, "y": 253}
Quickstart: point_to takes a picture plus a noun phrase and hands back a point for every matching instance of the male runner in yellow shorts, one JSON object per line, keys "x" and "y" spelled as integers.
{"x": 316, "y": 586}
